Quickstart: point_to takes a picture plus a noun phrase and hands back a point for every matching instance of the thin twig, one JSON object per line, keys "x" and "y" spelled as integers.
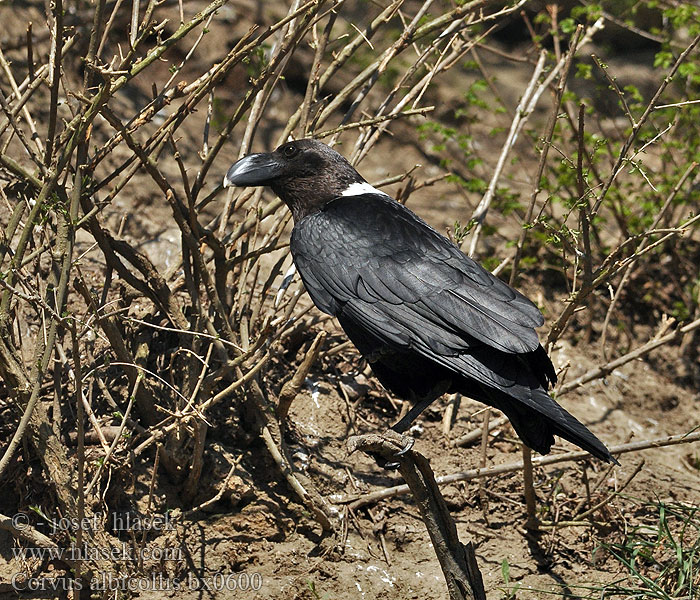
{"x": 105, "y": 461}
{"x": 522, "y": 112}
{"x": 609, "y": 367}
{"x": 628, "y": 270}
{"x": 622, "y": 154}
{"x": 293, "y": 386}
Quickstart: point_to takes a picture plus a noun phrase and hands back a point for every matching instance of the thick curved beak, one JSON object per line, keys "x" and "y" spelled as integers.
{"x": 254, "y": 169}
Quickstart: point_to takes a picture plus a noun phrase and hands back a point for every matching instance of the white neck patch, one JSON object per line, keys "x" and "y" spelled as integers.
{"x": 357, "y": 189}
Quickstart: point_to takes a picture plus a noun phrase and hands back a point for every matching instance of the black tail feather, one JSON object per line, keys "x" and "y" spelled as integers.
{"x": 538, "y": 427}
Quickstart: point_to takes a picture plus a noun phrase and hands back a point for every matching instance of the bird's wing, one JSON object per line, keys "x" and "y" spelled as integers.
{"x": 405, "y": 282}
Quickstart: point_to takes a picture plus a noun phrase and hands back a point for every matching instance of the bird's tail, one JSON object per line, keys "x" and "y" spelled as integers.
{"x": 537, "y": 418}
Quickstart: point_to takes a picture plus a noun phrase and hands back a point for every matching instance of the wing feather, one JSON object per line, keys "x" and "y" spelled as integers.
{"x": 372, "y": 249}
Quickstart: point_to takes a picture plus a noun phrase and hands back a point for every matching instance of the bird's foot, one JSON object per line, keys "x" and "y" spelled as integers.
{"x": 404, "y": 444}
{"x": 385, "y": 448}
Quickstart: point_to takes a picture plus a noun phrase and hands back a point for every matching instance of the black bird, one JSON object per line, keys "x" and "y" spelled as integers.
{"x": 428, "y": 318}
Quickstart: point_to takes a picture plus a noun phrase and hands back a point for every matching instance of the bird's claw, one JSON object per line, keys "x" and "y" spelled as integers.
{"x": 404, "y": 444}
{"x": 382, "y": 463}
{"x": 408, "y": 444}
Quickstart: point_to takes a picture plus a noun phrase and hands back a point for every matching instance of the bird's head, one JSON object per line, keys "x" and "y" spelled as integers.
{"x": 305, "y": 174}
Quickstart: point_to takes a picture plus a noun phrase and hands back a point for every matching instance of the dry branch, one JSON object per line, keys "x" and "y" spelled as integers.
{"x": 457, "y": 561}
{"x": 477, "y": 434}
{"x": 540, "y": 461}
{"x": 622, "y": 154}
{"x": 290, "y": 389}
{"x": 609, "y": 367}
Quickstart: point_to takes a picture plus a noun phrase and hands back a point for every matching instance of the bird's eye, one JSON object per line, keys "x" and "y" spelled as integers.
{"x": 289, "y": 150}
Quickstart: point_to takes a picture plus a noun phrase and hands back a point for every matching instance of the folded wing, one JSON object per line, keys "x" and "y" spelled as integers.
{"x": 371, "y": 249}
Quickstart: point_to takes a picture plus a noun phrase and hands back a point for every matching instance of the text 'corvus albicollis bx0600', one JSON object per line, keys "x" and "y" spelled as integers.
{"x": 428, "y": 318}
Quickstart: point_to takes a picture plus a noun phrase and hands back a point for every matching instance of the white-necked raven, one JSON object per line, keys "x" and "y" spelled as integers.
{"x": 428, "y": 318}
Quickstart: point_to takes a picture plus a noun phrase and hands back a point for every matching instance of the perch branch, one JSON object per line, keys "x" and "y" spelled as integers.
{"x": 456, "y": 560}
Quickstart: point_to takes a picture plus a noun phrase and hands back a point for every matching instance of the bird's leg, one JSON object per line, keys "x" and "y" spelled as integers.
{"x": 412, "y": 414}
